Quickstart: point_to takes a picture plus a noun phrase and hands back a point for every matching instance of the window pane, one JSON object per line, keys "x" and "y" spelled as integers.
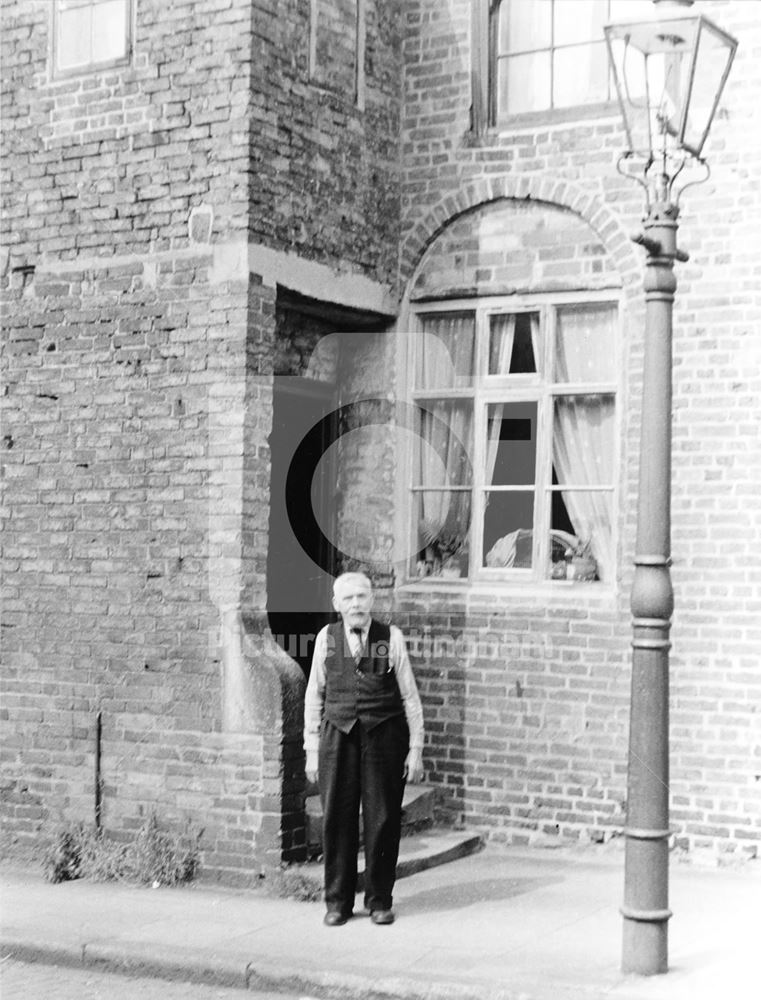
{"x": 508, "y": 530}
{"x": 631, "y": 10}
{"x": 580, "y": 21}
{"x": 525, "y": 25}
{"x": 581, "y": 75}
{"x": 511, "y": 444}
{"x": 74, "y": 26}
{"x": 109, "y": 30}
{"x": 446, "y": 351}
{"x": 583, "y": 442}
{"x": 445, "y": 444}
{"x": 513, "y": 343}
{"x": 524, "y": 83}
{"x": 581, "y": 536}
{"x": 442, "y": 526}
{"x": 584, "y": 343}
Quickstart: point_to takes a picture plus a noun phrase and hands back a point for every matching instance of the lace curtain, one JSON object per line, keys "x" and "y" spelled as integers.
{"x": 503, "y": 336}
{"x": 583, "y": 434}
{"x": 447, "y": 351}
{"x": 445, "y": 449}
{"x": 446, "y": 433}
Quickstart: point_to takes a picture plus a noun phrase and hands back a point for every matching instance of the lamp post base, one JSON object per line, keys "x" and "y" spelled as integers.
{"x": 645, "y": 947}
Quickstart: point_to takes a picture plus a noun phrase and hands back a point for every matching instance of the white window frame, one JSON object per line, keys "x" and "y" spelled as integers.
{"x": 92, "y": 65}
{"x": 496, "y": 115}
{"x": 529, "y": 387}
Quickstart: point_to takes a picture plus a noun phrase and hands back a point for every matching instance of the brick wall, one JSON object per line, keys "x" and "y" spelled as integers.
{"x": 324, "y": 169}
{"x": 138, "y": 352}
{"x": 150, "y": 214}
{"x": 120, "y": 321}
{"x": 528, "y": 736}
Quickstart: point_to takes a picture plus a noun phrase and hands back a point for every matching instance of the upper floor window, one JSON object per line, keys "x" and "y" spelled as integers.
{"x": 550, "y": 54}
{"x": 91, "y": 34}
{"x": 337, "y": 48}
{"x": 516, "y": 458}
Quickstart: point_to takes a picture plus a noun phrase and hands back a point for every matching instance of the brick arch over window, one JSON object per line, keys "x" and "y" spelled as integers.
{"x": 540, "y": 192}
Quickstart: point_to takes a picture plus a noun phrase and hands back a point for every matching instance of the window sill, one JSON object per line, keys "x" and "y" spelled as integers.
{"x": 337, "y": 96}
{"x": 561, "y": 592}
{"x": 509, "y": 124}
{"x": 91, "y": 68}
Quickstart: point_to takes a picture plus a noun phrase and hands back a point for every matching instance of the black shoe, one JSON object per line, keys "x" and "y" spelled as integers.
{"x": 382, "y": 916}
{"x": 334, "y": 918}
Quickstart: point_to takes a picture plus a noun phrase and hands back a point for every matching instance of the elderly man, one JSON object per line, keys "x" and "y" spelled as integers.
{"x": 363, "y": 736}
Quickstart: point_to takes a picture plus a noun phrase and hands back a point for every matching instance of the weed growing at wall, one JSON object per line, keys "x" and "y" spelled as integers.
{"x": 295, "y": 882}
{"x": 154, "y": 857}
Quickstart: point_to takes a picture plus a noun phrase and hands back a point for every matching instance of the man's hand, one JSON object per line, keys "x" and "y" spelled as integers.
{"x": 413, "y": 766}
{"x": 311, "y": 767}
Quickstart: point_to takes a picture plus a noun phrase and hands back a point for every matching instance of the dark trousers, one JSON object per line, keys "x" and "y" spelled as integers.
{"x": 364, "y": 766}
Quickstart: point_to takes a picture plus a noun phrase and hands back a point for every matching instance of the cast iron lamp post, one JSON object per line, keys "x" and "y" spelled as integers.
{"x": 669, "y": 74}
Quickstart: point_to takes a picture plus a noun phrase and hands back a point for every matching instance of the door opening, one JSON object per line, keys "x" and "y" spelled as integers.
{"x": 300, "y": 572}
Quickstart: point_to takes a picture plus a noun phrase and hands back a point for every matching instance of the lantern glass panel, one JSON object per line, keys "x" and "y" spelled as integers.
{"x": 630, "y": 77}
{"x": 669, "y": 75}
{"x": 652, "y": 63}
{"x": 712, "y": 59}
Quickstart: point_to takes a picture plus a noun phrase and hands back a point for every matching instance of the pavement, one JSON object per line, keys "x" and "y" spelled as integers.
{"x": 502, "y": 924}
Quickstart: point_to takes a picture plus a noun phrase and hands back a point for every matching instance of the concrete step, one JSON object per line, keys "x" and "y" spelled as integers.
{"x": 417, "y": 815}
{"x": 417, "y": 853}
{"x": 430, "y": 848}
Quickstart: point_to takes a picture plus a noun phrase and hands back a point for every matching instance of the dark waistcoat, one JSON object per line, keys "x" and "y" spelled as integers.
{"x": 366, "y": 691}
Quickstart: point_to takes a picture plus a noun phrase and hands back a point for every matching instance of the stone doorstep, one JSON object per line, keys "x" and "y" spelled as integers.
{"x": 417, "y": 852}
{"x": 422, "y": 846}
{"x": 417, "y": 814}
{"x": 420, "y": 851}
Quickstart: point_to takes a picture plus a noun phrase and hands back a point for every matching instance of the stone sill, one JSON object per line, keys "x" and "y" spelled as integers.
{"x": 550, "y": 118}
{"x": 541, "y": 593}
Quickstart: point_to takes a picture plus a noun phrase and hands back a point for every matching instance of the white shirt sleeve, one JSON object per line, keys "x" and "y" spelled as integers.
{"x": 413, "y": 709}
{"x": 314, "y": 700}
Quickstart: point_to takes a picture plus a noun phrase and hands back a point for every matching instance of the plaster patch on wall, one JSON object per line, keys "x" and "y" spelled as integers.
{"x": 200, "y": 224}
{"x": 230, "y": 263}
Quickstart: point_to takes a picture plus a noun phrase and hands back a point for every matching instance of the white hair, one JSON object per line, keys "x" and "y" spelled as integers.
{"x": 351, "y": 577}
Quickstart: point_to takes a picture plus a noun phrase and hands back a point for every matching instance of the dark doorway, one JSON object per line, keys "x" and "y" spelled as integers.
{"x": 300, "y": 574}
{"x": 311, "y": 337}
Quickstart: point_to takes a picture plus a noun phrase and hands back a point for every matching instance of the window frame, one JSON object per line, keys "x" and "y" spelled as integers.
{"x": 498, "y": 118}
{"x": 538, "y": 387}
{"x": 92, "y": 66}
{"x": 358, "y": 97}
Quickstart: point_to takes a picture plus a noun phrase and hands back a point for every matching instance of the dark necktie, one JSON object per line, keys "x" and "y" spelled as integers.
{"x": 357, "y": 633}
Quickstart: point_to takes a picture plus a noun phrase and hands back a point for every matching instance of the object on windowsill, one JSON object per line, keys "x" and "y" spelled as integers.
{"x": 443, "y": 543}
{"x": 450, "y": 569}
{"x": 580, "y": 563}
{"x": 515, "y": 551}
{"x": 559, "y": 570}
